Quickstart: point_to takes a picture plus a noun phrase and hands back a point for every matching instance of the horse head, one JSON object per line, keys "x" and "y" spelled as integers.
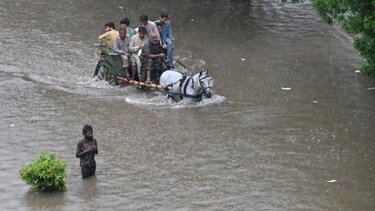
{"x": 206, "y": 82}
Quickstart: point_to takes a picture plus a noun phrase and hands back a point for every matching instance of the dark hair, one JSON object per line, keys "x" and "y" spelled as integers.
{"x": 164, "y": 14}
{"x": 158, "y": 23}
{"x": 110, "y": 24}
{"x": 143, "y": 18}
{"x": 122, "y": 30}
{"x": 86, "y": 129}
{"x": 125, "y": 21}
{"x": 142, "y": 29}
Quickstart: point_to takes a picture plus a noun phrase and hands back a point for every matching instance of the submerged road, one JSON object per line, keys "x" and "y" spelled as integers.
{"x": 290, "y": 126}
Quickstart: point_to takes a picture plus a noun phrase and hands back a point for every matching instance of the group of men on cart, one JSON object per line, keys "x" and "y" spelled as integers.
{"x": 145, "y": 52}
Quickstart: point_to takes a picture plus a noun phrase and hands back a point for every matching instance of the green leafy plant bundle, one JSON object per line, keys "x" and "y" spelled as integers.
{"x": 45, "y": 174}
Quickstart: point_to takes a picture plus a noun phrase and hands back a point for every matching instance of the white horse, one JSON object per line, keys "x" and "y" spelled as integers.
{"x": 179, "y": 86}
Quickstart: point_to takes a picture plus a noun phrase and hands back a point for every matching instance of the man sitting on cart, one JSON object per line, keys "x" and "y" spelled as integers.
{"x": 166, "y": 36}
{"x": 109, "y": 36}
{"x": 153, "y": 58}
{"x": 121, "y": 46}
{"x": 125, "y": 24}
{"x": 136, "y": 44}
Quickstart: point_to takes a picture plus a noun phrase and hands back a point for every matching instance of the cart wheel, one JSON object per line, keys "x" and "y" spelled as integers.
{"x": 104, "y": 71}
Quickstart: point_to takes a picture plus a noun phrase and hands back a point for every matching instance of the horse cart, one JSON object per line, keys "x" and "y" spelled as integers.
{"x": 174, "y": 83}
{"x": 109, "y": 68}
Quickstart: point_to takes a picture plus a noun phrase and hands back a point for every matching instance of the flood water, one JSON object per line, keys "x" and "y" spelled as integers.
{"x": 253, "y": 146}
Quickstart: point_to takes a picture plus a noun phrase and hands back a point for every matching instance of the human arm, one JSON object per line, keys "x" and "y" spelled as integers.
{"x": 103, "y": 37}
{"x": 152, "y": 56}
{"x": 167, "y": 32}
{"x": 79, "y": 151}
{"x": 154, "y": 29}
{"x": 117, "y": 46}
{"x": 95, "y": 147}
{"x": 132, "y": 45}
{"x": 161, "y": 54}
{"x": 126, "y": 47}
{"x": 170, "y": 36}
{"x": 146, "y": 50}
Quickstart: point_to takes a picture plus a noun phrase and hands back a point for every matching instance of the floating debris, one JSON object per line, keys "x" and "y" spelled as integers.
{"x": 372, "y": 88}
{"x": 315, "y": 101}
{"x": 12, "y": 125}
{"x": 357, "y": 71}
{"x": 243, "y": 59}
{"x": 332, "y": 181}
{"x": 286, "y": 88}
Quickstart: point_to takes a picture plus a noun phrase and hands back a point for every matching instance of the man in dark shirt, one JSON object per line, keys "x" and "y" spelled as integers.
{"x": 153, "y": 58}
{"x": 86, "y": 150}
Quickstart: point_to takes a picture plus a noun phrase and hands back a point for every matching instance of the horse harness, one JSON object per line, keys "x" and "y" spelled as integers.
{"x": 185, "y": 78}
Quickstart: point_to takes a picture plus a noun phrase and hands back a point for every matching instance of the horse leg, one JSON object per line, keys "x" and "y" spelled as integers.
{"x": 170, "y": 96}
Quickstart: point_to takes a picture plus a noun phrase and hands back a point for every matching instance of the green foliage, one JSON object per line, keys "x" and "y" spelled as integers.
{"x": 357, "y": 17}
{"x": 45, "y": 174}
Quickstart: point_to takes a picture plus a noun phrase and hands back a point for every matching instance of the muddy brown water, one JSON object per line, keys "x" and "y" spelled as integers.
{"x": 253, "y": 146}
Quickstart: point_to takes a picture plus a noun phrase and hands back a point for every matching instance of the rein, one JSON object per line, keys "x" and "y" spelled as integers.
{"x": 182, "y": 93}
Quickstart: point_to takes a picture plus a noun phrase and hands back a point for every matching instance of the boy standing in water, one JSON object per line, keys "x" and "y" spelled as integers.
{"x": 86, "y": 150}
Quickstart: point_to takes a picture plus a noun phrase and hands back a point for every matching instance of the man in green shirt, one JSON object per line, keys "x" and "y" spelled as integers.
{"x": 125, "y": 24}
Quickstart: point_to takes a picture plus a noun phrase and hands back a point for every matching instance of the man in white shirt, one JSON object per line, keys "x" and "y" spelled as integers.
{"x": 135, "y": 47}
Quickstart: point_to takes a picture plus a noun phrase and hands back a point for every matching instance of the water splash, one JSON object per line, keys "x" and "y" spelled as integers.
{"x": 95, "y": 82}
{"x": 160, "y": 101}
